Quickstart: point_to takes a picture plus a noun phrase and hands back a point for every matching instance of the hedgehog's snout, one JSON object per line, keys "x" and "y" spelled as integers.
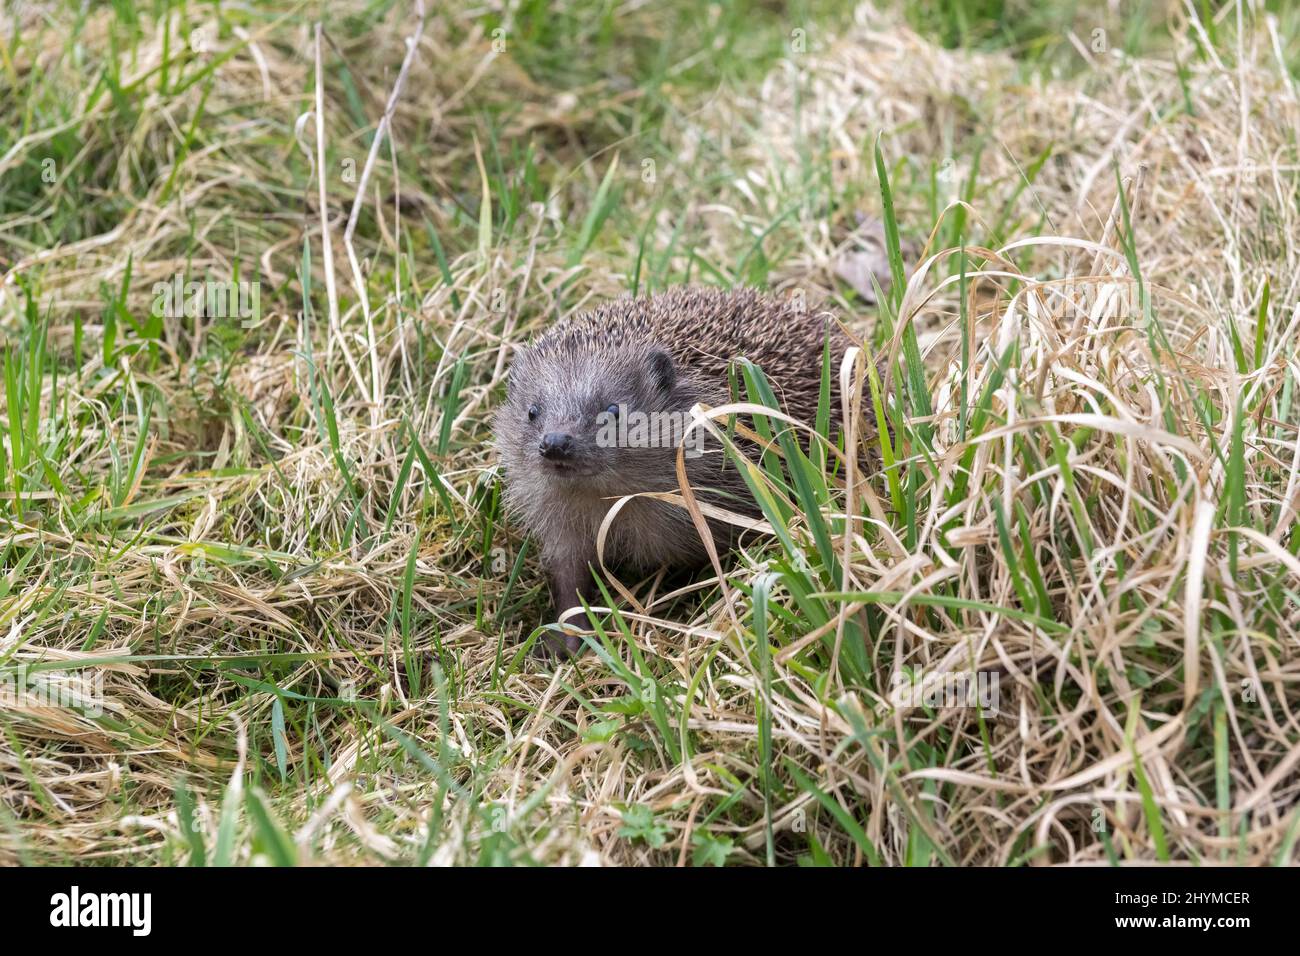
{"x": 556, "y": 446}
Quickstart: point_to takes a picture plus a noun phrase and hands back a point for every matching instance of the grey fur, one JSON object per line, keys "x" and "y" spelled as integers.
{"x": 661, "y": 353}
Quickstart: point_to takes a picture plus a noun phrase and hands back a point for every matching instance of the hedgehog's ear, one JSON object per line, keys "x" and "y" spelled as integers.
{"x": 662, "y": 371}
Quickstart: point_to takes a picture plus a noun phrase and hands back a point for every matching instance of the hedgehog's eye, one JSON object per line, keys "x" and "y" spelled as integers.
{"x": 533, "y": 411}
{"x": 612, "y": 411}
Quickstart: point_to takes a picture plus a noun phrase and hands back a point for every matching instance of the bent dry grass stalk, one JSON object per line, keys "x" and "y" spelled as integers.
{"x": 281, "y": 545}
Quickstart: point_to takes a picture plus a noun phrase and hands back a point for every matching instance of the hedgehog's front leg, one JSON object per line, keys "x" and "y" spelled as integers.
{"x": 571, "y": 584}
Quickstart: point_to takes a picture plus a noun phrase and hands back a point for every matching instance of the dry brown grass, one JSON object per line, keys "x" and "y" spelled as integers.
{"x": 1115, "y": 456}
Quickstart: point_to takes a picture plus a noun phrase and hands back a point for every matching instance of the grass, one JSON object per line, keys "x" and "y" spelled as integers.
{"x": 264, "y": 560}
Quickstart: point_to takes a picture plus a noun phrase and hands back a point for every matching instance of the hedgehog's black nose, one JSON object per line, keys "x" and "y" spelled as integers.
{"x": 556, "y": 446}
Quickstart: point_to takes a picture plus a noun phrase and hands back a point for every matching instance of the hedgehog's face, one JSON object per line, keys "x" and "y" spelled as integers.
{"x": 583, "y": 417}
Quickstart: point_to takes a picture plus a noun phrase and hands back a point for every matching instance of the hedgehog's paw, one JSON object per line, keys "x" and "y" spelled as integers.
{"x": 558, "y": 647}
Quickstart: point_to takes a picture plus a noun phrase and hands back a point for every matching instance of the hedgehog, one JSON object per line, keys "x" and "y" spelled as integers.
{"x": 597, "y": 405}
